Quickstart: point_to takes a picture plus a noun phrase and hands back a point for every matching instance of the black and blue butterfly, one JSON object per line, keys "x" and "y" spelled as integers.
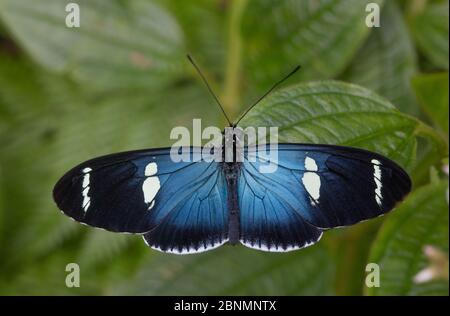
{"x": 189, "y": 207}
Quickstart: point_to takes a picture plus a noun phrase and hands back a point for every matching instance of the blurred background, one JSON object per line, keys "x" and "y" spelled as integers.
{"x": 121, "y": 81}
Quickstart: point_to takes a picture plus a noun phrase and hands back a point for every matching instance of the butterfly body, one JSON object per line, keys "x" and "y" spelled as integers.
{"x": 231, "y": 172}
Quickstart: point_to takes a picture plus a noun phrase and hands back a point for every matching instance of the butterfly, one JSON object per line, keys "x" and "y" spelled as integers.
{"x": 193, "y": 206}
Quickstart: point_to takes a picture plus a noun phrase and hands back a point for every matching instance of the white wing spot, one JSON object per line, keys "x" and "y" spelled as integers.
{"x": 311, "y": 180}
{"x": 86, "y": 186}
{"x": 151, "y": 169}
{"x": 310, "y": 164}
{"x": 377, "y": 179}
{"x": 151, "y": 185}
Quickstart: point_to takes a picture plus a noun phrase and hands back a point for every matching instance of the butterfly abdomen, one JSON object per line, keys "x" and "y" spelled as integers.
{"x": 231, "y": 171}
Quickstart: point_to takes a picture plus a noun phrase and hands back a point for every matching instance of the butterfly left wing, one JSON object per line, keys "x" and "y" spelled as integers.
{"x": 179, "y": 205}
{"x": 313, "y": 187}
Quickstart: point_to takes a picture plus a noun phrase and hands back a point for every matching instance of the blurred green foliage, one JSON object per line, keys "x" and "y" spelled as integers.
{"x": 121, "y": 82}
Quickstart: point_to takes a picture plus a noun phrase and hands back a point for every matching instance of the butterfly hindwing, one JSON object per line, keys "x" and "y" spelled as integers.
{"x": 197, "y": 221}
{"x": 313, "y": 187}
{"x": 267, "y": 221}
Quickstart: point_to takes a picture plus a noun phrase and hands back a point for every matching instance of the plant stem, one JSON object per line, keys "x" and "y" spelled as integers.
{"x": 234, "y": 53}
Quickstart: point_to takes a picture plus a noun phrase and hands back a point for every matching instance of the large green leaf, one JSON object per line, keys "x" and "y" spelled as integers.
{"x": 235, "y": 271}
{"x": 432, "y": 91}
{"x": 118, "y": 43}
{"x": 430, "y": 29}
{"x": 322, "y": 35}
{"x": 398, "y": 250}
{"x": 332, "y": 112}
{"x": 387, "y": 61}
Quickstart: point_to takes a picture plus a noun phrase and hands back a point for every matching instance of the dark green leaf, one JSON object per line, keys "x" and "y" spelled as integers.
{"x": 333, "y": 112}
{"x": 387, "y": 61}
{"x": 430, "y": 30}
{"x": 118, "y": 44}
{"x": 398, "y": 250}
{"x": 322, "y": 35}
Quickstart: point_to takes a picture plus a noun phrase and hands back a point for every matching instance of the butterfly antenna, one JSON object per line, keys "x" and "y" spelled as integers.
{"x": 209, "y": 88}
{"x": 268, "y": 92}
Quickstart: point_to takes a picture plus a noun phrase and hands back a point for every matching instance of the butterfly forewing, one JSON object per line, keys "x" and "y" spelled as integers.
{"x": 107, "y": 192}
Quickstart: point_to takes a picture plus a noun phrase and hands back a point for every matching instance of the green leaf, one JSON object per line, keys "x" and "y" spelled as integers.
{"x": 235, "y": 271}
{"x": 430, "y": 30}
{"x": 432, "y": 91}
{"x": 118, "y": 44}
{"x": 387, "y": 61}
{"x": 322, "y": 35}
{"x": 333, "y": 112}
{"x": 398, "y": 250}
